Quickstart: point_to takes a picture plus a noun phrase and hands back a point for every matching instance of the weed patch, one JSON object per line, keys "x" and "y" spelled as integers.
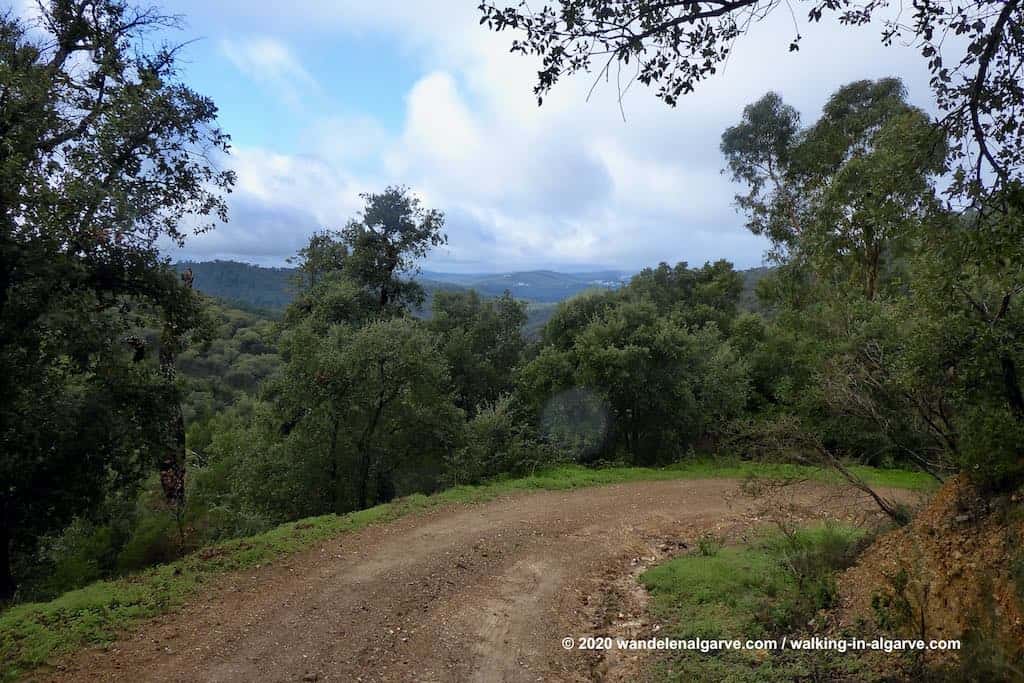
{"x": 770, "y": 588}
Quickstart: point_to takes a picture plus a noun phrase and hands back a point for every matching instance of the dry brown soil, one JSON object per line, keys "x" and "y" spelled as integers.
{"x": 484, "y": 592}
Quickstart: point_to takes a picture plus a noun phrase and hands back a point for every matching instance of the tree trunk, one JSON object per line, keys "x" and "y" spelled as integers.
{"x": 363, "y": 479}
{"x": 385, "y": 488}
{"x": 172, "y": 463}
{"x": 332, "y": 469}
{"x": 7, "y": 584}
{"x": 1013, "y": 392}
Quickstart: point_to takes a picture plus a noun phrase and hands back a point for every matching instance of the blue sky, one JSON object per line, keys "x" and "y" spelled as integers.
{"x": 329, "y": 98}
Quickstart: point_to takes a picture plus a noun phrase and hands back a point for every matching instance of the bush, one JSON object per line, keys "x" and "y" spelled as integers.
{"x": 812, "y": 557}
{"x": 992, "y": 447}
{"x": 495, "y": 443}
{"x": 153, "y": 540}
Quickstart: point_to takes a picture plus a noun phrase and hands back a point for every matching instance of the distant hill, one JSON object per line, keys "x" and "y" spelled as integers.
{"x": 251, "y": 287}
{"x": 541, "y": 286}
{"x": 748, "y": 298}
{"x": 242, "y": 284}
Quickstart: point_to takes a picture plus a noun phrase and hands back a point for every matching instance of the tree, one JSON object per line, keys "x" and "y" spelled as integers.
{"x": 367, "y": 269}
{"x": 904, "y": 314}
{"x": 696, "y": 295}
{"x": 374, "y": 419}
{"x": 663, "y": 384}
{"x": 573, "y": 315}
{"x": 843, "y": 195}
{"x": 673, "y": 45}
{"x": 758, "y": 152}
{"x": 362, "y": 408}
{"x": 104, "y": 153}
{"x": 843, "y": 201}
{"x": 482, "y": 341}
{"x": 324, "y": 254}
{"x": 393, "y": 232}
{"x": 968, "y": 325}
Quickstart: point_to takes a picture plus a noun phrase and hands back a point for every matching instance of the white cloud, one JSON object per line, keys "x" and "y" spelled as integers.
{"x": 570, "y": 182}
{"x": 270, "y": 62}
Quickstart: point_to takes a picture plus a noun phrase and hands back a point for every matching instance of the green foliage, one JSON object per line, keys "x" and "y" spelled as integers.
{"x": 239, "y": 354}
{"x": 573, "y": 315}
{"x": 768, "y": 588}
{"x": 895, "y": 328}
{"x": 680, "y": 44}
{"x": 244, "y": 286}
{"x": 386, "y": 241}
{"x": 495, "y": 443}
{"x": 693, "y": 296}
{"x": 152, "y": 542}
{"x": 812, "y": 557}
{"x": 641, "y": 373}
{"x": 708, "y": 545}
{"x": 358, "y": 415}
{"x": 100, "y": 163}
{"x": 992, "y": 450}
{"x": 481, "y": 342}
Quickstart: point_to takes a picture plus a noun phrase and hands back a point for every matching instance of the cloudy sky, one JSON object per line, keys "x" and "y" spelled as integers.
{"x": 329, "y": 98}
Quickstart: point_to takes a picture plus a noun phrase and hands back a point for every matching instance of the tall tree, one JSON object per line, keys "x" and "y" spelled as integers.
{"x": 104, "y": 153}
{"x": 758, "y": 152}
{"x": 844, "y": 194}
{"x": 386, "y": 241}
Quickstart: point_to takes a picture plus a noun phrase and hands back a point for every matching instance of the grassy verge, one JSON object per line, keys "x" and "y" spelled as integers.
{"x": 33, "y": 634}
{"x": 770, "y": 588}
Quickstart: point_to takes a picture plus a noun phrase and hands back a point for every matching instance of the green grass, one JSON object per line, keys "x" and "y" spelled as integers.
{"x": 34, "y": 634}
{"x": 766, "y": 589}
{"x": 574, "y": 476}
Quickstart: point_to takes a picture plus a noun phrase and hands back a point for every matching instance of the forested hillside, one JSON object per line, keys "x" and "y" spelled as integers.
{"x": 269, "y": 289}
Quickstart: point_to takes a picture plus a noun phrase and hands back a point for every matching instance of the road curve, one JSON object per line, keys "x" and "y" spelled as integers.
{"x": 482, "y": 592}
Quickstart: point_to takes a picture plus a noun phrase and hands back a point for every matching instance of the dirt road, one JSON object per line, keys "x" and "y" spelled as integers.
{"x": 475, "y": 593}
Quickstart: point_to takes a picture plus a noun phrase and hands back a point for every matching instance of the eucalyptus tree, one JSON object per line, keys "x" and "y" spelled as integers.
{"x": 843, "y": 195}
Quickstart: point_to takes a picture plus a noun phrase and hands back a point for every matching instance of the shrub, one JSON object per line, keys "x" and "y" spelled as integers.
{"x": 992, "y": 447}
{"x": 153, "y": 540}
{"x": 495, "y": 443}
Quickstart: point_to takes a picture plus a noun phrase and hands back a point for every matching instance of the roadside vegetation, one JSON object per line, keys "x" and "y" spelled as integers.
{"x": 771, "y": 587}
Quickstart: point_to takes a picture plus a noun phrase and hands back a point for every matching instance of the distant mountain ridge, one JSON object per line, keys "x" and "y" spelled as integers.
{"x": 242, "y": 283}
{"x": 540, "y": 286}
{"x": 270, "y": 288}
{"x": 249, "y": 286}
